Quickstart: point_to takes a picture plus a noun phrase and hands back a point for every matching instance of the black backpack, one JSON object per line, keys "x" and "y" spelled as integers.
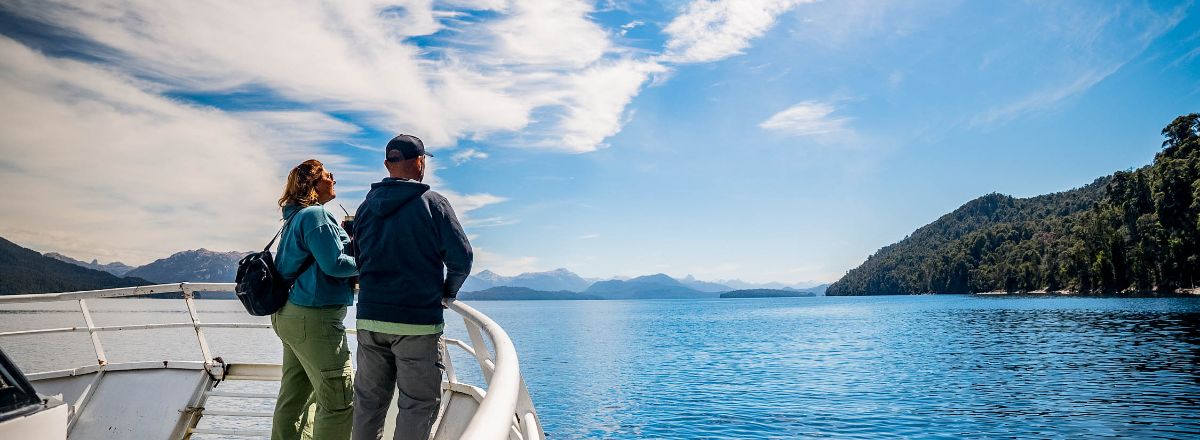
{"x": 260, "y": 286}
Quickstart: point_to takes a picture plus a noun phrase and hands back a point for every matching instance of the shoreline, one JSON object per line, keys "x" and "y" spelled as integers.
{"x": 1180, "y": 293}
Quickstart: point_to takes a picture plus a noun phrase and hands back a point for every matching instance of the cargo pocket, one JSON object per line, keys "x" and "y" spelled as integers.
{"x": 290, "y": 329}
{"x": 336, "y": 390}
{"x": 335, "y": 330}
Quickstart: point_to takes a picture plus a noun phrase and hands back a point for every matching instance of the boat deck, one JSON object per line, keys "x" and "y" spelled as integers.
{"x": 166, "y": 399}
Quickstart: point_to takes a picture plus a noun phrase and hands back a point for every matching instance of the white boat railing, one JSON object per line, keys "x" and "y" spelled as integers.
{"x": 505, "y": 410}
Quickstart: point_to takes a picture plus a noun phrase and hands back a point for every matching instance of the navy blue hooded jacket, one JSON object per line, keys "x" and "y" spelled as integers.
{"x": 404, "y": 235}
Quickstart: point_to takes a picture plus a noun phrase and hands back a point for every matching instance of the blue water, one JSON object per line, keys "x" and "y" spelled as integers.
{"x": 878, "y": 367}
{"x": 873, "y": 367}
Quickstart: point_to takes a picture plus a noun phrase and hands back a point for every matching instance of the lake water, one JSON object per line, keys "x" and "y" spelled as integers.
{"x": 868, "y": 367}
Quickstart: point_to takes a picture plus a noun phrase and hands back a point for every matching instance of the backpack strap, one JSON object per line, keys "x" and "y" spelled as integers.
{"x": 276, "y": 237}
{"x": 304, "y": 266}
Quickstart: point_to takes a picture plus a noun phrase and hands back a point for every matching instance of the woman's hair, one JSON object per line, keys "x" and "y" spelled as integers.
{"x": 301, "y": 186}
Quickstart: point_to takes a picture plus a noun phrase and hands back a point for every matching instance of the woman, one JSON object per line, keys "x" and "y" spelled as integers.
{"x": 316, "y": 360}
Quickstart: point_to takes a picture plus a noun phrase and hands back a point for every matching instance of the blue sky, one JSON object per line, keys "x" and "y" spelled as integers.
{"x": 759, "y": 140}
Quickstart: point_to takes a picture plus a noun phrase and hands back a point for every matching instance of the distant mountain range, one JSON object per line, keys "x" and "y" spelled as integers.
{"x": 819, "y": 290}
{"x": 558, "y": 279}
{"x": 27, "y": 271}
{"x": 703, "y": 286}
{"x": 116, "y": 268}
{"x": 521, "y": 293}
{"x": 743, "y": 285}
{"x": 202, "y": 265}
{"x": 657, "y": 286}
{"x": 767, "y": 293}
{"x": 649, "y": 286}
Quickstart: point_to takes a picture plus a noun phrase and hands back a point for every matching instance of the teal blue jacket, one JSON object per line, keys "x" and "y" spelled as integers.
{"x": 314, "y": 233}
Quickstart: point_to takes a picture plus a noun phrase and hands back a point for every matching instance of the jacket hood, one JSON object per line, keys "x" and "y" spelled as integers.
{"x": 391, "y": 194}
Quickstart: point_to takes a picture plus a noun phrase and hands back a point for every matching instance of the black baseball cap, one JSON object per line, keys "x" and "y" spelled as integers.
{"x": 406, "y": 147}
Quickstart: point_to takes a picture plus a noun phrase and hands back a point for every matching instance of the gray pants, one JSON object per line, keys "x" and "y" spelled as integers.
{"x": 387, "y": 362}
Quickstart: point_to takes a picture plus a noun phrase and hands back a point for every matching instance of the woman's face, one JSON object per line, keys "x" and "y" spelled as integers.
{"x": 325, "y": 190}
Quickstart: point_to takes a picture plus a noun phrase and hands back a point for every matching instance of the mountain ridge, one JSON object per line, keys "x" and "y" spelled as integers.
{"x": 502, "y": 293}
{"x": 656, "y": 286}
{"x": 197, "y": 265}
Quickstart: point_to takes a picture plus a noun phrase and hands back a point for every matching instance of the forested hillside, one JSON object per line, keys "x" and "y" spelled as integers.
{"x": 27, "y": 271}
{"x": 1135, "y": 230}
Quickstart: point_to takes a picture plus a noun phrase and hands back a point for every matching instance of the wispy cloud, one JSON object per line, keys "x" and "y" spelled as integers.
{"x": 488, "y": 222}
{"x": 625, "y": 28}
{"x": 471, "y": 202}
{"x": 469, "y": 154}
{"x": 808, "y": 118}
{"x": 1044, "y": 99}
{"x": 1097, "y": 51}
{"x": 711, "y": 30}
{"x": 1186, "y": 58}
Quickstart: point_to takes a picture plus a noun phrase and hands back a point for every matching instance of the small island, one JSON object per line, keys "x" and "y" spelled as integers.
{"x": 766, "y": 293}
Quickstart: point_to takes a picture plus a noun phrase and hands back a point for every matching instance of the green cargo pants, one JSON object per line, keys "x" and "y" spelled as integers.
{"x": 316, "y": 369}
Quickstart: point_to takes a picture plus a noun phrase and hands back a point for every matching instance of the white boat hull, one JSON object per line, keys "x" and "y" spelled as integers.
{"x": 49, "y": 423}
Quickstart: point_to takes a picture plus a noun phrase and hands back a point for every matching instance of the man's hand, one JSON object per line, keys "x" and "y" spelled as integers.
{"x": 446, "y": 302}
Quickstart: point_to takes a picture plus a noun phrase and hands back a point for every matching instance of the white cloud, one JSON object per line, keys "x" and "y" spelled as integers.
{"x": 625, "y": 28}
{"x": 470, "y": 202}
{"x": 463, "y": 204}
{"x": 299, "y": 128}
{"x": 477, "y": 5}
{"x": 711, "y": 30}
{"x": 354, "y": 57}
{"x": 597, "y": 101}
{"x": 491, "y": 76}
{"x": 550, "y": 33}
{"x": 808, "y": 118}
{"x": 467, "y": 155}
{"x": 101, "y": 168}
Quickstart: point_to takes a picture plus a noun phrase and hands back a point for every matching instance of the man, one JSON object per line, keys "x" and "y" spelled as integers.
{"x": 405, "y": 234}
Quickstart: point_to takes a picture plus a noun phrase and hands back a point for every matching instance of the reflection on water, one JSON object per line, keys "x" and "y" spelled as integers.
{"x": 877, "y": 367}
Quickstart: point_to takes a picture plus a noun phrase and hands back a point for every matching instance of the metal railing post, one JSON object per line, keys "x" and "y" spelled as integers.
{"x": 87, "y": 318}
{"x": 497, "y": 410}
{"x": 191, "y": 307}
{"x": 447, "y": 363}
{"x": 482, "y": 354}
{"x": 87, "y": 394}
{"x": 529, "y": 420}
